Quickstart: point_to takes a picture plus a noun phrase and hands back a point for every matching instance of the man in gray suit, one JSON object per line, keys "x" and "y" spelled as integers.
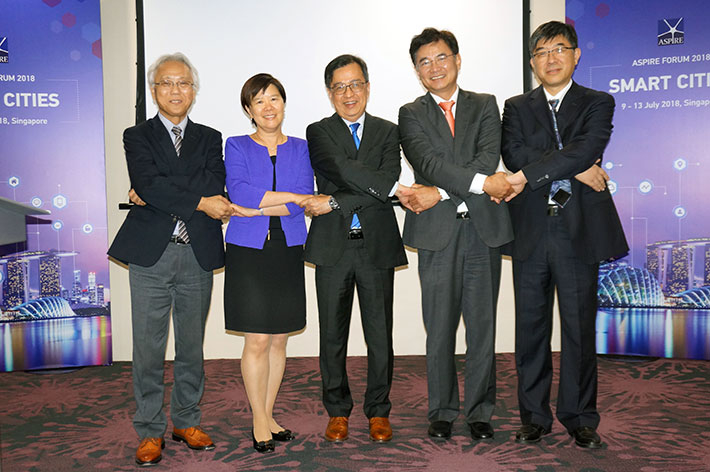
{"x": 451, "y": 138}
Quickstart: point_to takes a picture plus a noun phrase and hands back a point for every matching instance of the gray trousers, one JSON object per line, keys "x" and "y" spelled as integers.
{"x": 464, "y": 277}
{"x": 175, "y": 282}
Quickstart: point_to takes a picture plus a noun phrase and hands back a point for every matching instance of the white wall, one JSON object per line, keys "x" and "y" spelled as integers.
{"x": 119, "y": 57}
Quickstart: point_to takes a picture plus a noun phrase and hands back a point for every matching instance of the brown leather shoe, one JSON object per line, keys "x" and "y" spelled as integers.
{"x": 337, "y": 430}
{"x": 149, "y": 451}
{"x": 194, "y": 437}
{"x": 380, "y": 429}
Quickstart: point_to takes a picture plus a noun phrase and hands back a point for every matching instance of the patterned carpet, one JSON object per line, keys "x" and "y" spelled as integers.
{"x": 655, "y": 417}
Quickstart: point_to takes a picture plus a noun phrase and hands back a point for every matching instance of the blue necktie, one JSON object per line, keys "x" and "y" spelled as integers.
{"x": 356, "y": 221}
{"x": 564, "y": 184}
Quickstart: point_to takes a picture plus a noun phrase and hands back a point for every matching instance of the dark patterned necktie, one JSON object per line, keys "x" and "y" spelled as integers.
{"x": 182, "y": 229}
{"x": 564, "y": 184}
{"x": 178, "y": 139}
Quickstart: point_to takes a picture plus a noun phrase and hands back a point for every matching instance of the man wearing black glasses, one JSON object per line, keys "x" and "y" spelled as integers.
{"x": 354, "y": 241}
{"x": 565, "y": 223}
{"x": 172, "y": 242}
{"x": 451, "y": 138}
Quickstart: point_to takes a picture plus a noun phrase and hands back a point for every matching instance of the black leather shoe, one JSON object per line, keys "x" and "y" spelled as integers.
{"x": 481, "y": 430}
{"x": 285, "y": 435}
{"x": 530, "y": 433}
{"x": 263, "y": 446}
{"x": 440, "y": 429}
{"x": 586, "y": 437}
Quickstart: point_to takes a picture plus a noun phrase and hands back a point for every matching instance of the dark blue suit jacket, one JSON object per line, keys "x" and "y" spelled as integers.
{"x": 584, "y": 118}
{"x": 172, "y": 187}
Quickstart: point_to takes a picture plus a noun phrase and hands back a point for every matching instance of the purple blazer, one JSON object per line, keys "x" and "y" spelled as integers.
{"x": 250, "y": 176}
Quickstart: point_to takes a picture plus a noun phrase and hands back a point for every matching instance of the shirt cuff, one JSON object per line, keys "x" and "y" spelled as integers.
{"x": 394, "y": 189}
{"x": 442, "y": 192}
{"x": 477, "y": 183}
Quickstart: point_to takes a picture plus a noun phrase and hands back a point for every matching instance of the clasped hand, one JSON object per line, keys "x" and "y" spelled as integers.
{"x": 216, "y": 206}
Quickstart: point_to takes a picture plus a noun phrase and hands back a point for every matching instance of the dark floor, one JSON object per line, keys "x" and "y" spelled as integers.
{"x": 655, "y": 417}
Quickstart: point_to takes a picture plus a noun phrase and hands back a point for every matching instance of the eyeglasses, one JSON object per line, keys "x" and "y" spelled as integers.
{"x": 355, "y": 86}
{"x": 440, "y": 61}
{"x": 554, "y": 52}
{"x": 167, "y": 85}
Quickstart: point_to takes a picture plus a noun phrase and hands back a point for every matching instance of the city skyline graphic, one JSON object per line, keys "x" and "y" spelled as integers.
{"x": 54, "y": 290}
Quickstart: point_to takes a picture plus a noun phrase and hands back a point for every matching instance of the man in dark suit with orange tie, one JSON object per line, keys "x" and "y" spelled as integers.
{"x": 451, "y": 137}
{"x": 354, "y": 240}
{"x": 565, "y": 223}
{"x": 172, "y": 241}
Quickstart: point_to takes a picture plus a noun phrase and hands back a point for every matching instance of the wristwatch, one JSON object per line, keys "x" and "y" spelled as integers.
{"x": 333, "y": 204}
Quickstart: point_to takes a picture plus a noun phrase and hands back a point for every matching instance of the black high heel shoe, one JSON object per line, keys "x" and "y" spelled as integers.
{"x": 285, "y": 435}
{"x": 263, "y": 446}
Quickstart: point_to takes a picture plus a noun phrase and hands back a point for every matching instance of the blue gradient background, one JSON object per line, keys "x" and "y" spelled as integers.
{"x": 65, "y": 156}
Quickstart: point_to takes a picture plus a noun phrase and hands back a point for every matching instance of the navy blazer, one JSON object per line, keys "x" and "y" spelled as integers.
{"x": 172, "y": 187}
{"x": 529, "y": 143}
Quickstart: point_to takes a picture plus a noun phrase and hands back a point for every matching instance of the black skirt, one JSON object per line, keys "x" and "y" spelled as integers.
{"x": 265, "y": 289}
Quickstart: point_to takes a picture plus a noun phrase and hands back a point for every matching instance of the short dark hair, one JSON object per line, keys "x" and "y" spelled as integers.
{"x": 432, "y": 35}
{"x": 342, "y": 61}
{"x": 258, "y": 84}
{"x": 550, "y": 30}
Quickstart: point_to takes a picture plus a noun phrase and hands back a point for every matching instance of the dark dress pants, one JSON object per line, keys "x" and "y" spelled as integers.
{"x": 175, "y": 282}
{"x": 552, "y": 265}
{"x": 335, "y": 286}
{"x": 463, "y": 278}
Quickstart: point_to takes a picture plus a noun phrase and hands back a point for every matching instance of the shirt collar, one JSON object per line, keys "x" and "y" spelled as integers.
{"x": 360, "y": 120}
{"x": 169, "y": 125}
{"x": 454, "y": 97}
{"x": 560, "y": 95}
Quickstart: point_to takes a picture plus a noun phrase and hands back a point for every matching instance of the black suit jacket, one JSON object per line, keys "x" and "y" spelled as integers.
{"x": 360, "y": 181}
{"x": 440, "y": 160}
{"x": 585, "y": 122}
{"x": 172, "y": 187}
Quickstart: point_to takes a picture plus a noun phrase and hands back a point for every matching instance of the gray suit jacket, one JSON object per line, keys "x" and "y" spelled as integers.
{"x": 439, "y": 159}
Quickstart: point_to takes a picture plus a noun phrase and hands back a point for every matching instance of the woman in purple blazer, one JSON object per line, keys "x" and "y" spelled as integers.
{"x": 268, "y": 174}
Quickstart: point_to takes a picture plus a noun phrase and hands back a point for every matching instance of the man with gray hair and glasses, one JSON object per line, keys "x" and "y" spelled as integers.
{"x": 171, "y": 241}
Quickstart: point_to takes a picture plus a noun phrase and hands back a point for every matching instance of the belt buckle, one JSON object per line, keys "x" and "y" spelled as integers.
{"x": 553, "y": 210}
{"x": 463, "y": 215}
{"x": 355, "y": 233}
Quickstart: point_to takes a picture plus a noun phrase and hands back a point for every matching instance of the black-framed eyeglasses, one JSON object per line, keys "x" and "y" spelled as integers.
{"x": 428, "y": 62}
{"x": 555, "y": 52}
{"x": 183, "y": 85}
{"x": 356, "y": 86}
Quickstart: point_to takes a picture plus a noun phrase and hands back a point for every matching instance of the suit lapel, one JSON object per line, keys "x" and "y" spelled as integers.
{"x": 464, "y": 113}
{"x": 342, "y": 134}
{"x": 436, "y": 118}
{"x": 160, "y": 134}
{"x": 569, "y": 109}
{"x": 541, "y": 110}
{"x": 189, "y": 143}
{"x": 369, "y": 133}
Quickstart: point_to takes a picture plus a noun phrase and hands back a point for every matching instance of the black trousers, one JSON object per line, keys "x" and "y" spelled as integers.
{"x": 554, "y": 264}
{"x": 335, "y": 286}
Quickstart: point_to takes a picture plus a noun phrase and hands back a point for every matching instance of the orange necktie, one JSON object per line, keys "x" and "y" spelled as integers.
{"x": 446, "y": 106}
